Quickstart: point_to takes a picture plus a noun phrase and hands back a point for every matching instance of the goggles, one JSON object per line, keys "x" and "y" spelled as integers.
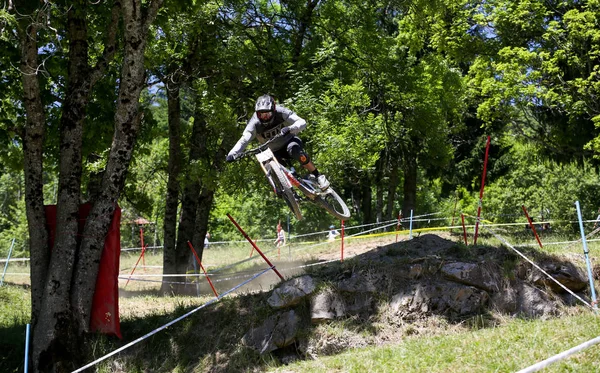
{"x": 264, "y": 115}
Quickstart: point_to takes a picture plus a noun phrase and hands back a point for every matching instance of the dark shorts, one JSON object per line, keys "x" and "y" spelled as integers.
{"x": 293, "y": 149}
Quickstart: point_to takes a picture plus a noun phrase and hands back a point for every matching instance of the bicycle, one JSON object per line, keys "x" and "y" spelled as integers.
{"x": 286, "y": 181}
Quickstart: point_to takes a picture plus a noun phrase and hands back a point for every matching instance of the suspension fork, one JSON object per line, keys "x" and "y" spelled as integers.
{"x": 269, "y": 177}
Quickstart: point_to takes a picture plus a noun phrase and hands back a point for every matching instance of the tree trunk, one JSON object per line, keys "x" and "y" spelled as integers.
{"x": 33, "y": 140}
{"x": 379, "y": 168}
{"x": 54, "y": 339}
{"x": 205, "y": 201}
{"x": 391, "y": 193}
{"x": 172, "y": 198}
{"x": 410, "y": 186}
{"x": 191, "y": 193}
{"x": 367, "y": 199}
{"x": 127, "y": 123}
{"x": 63, "y": 285}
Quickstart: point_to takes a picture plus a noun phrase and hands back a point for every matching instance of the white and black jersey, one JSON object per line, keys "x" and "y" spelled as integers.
{"x": 283, "y": 117}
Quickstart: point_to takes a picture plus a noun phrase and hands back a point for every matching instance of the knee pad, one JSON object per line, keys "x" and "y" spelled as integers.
{"x": 300, "y": 155}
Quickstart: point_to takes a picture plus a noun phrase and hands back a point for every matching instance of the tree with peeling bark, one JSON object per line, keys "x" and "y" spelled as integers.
{"x": 63, "y": 283}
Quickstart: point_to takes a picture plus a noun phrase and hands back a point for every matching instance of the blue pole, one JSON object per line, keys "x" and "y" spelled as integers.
{"x": 7, "y": 260}
{"x": 587, "y": 258}
{"x": 410, "y": 225}
{"x": 27, "y": 347}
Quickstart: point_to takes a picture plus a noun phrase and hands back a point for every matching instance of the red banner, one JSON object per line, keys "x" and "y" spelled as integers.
{"x": 105, "y": 306}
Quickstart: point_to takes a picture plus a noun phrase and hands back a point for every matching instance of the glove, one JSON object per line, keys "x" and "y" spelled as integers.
{"x": 230, "y": 158}
{"x": 285, "y": 131}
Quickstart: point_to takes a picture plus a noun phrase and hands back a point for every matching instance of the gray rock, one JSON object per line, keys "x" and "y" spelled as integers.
{"x": 440, "y": 297}
{"x": 570, "y": 276}
{"x": 357, "y": 283}
{"x": 291, "y": 292}
{"x": 276, "y": 332}
{"x": 482, "y": 275}
{"x": 326, "y": 305}
{"x": 533, "y": 302}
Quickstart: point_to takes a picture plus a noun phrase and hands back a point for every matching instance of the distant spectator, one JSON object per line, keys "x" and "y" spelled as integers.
{"x": 597, "y": 220}
{"x": 206, "y": 240}
{"x": 280, "y": 240}
{"x": 333, "y": 233}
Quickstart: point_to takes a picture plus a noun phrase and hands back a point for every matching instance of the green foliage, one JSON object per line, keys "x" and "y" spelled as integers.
{"x": 541, "y": 75}
{"x": 547, "y": 190}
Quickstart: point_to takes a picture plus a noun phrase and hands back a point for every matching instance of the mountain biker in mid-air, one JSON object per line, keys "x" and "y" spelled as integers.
{"x": 270, "y": 120}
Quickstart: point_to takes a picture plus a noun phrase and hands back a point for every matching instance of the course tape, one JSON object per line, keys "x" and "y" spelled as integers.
{"x": 562, "y": 355}
{"x": 535, "y": 265}
{"x": 169, "y": 323}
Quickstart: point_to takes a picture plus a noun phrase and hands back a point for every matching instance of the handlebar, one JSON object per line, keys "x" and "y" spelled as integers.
{"x": 258, "y": 149}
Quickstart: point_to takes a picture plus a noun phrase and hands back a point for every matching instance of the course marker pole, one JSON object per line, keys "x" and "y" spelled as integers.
{"x": 135, "y": 266}
{"x": 143, "y": 246}
{"x": 587, "y": 258}
{"x": 255, "y": 247}
{"x": 532, "y": 226}
{"x": 7, "y": 260}
{"x": 203, "y": 270}
{"x": 462, "y": 217}
{"x": 27, "y": 329}
{"x": 487, "y": 149}
{"x": 342, "y": 258}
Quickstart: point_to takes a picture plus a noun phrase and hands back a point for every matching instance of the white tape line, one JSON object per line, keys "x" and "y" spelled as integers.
{"x": 167, "y": 324}
{"x": 15, "y": 260}
{"x": 562, "y": 355}
{"x": 535, "y": 265}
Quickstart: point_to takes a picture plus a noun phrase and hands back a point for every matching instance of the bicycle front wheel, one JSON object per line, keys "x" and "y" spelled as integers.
{"x": 285, "y": 187}
{"x": 334, "y": 204}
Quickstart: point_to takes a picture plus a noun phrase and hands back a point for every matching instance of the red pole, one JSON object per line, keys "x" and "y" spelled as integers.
{"x": 201, "y": 266}
{"x": 342, "y": 259}
{"x": 255, "y": 247}
{"x": 252, "y": 250}
{"x": 487, "y": 149}
{"x": 143, "y": 247}
{"x": 462, "y": 216}
{"x": 135, "y": 266}
{"x": 532, "y": 226}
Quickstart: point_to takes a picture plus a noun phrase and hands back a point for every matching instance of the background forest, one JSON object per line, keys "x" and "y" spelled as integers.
{"x": 399, "y": 97}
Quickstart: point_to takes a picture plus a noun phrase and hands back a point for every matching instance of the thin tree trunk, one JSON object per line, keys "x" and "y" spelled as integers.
{"x": 367, "y": 200}
{"x": 172, "y": 198}
{"x": 189, "y": 203}
{"x": 410, "y": 186}
{"x": 33, "y": 140}
{"x": 54, "y": 335}
{"x": 391, "y": 193}
{"x": 379, "y": 187}
{"x": 205, "y": 202}
{"x": 127, "y": 122}
{"x": 304, "y": 24}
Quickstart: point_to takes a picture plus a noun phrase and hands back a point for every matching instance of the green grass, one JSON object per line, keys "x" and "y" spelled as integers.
{"x": 210, "y": 339}
{"x": 508, "y": 348}
{"x": 15, "y": 306}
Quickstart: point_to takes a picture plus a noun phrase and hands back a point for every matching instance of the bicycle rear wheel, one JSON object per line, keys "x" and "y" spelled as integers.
{"x": 284, "y": 185}
{"x": 333, "y": 203}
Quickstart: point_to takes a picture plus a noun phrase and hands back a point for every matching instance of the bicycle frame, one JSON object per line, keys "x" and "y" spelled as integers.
{"x": 283, "y": 181}
{"x": 266, "y": 156}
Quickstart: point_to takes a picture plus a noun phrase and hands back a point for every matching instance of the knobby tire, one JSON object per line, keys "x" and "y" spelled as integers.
{"x": 334, "y": 204}
{"x": 287, "y": 193}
